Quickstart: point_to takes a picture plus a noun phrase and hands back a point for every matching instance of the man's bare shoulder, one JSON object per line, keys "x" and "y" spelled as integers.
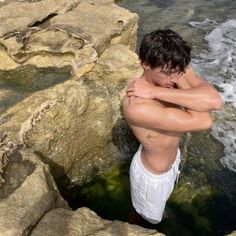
{"x": 136, "y": 102}
{"x": 134, "y": 107}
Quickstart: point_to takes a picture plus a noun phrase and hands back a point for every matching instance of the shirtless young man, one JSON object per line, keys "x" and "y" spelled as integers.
{"x": 166, "y": 101}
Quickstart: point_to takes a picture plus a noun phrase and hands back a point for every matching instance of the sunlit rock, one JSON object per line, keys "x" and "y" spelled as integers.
{"x": 85, "y": 222}
{"x": 27, "y": 192}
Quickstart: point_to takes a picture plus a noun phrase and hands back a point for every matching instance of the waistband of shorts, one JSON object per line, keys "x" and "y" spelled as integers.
{"x": 174, "y": 165}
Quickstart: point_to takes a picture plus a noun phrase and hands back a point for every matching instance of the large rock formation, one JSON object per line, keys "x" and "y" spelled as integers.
{"x": 64, "y": 33}
{"x": 30, "y": 203}
{"x": 69, "y": 125}
{"x": 72, "y": 125}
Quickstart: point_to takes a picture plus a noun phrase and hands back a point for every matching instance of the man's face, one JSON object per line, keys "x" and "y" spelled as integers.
{"x": 165, "y": 77}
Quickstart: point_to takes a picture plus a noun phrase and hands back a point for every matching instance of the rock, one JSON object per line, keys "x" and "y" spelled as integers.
{"x": 232, "y": 234}
{"x": 75, "y": 126}
{"x": 18, "y": 16}
{"x": 84, "y": 222}
{"x": 28, "y": 192}
{"x": 59, "y": 38}
{"x": 105, "y": 24}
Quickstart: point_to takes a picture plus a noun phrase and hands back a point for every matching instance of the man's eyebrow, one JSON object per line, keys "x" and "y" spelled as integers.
{"x": 171, "y": 71}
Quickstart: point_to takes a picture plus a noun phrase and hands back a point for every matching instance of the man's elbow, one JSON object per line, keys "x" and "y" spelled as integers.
{"x": 204, "y": 124}
{"x": 215, "y": 100}
{"x": 208, "y": 124}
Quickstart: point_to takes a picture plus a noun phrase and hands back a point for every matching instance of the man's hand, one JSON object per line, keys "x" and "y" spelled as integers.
{"x": 140, "y": 88}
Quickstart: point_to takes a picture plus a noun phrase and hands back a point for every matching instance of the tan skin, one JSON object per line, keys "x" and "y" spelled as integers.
{"x": 159, "y": 125}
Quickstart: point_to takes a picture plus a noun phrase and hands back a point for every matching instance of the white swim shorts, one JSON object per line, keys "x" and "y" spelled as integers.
{"x": 149, "y": 192}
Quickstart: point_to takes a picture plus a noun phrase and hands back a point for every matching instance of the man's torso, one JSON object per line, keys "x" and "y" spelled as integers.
{"x": 159, "y": 146}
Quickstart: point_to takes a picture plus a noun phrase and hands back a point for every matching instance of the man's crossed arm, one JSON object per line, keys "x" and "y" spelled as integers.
{"x": 200, "y": 96}
{"x": 150, "y": 115}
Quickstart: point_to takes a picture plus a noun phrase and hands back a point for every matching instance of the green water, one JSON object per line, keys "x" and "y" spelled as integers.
{"x": 108, "y": 195}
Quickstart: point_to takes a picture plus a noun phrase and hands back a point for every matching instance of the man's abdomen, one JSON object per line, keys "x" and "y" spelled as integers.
{"x": 159, "y": 148}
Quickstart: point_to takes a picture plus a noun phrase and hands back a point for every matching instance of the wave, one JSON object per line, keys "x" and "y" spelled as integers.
{"x": 217, "y": 64}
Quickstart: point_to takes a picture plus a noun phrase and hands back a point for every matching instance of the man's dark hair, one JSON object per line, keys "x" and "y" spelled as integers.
{"x": 165, "y": 47}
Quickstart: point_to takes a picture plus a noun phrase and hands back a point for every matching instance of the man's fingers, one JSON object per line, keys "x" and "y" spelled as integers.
{"x": 129, "y": 94}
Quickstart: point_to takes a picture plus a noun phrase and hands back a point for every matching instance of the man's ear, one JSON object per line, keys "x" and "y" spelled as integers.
{"x": 145, "y": 66}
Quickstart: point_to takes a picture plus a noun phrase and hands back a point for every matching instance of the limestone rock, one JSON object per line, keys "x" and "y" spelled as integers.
{"x": 28, "y": 192}
{"x": 84, "y": 222}
{"x": 76, "y": 127}
{"x": 105, "y": 23}
{"x": 17, "y": 16}
{"x": 66, "y": 34}
{"x": 232, "y": 234}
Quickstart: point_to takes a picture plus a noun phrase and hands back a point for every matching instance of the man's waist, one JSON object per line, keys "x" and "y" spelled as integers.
{"x": 159, "y": 162}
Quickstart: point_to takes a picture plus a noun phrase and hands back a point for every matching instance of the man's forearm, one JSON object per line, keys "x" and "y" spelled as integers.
{"x": 199, "y": 99}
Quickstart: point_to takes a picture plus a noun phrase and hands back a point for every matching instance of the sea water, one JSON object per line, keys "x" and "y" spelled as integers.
{"x": 218, "y": 65}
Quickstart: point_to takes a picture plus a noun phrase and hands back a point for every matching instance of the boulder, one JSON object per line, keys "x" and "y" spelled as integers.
{"x": 84, "y": 222}
{"x": 76, "y": 126}
{"x": 27, "y": 192}
{"x": 66, "y": 34}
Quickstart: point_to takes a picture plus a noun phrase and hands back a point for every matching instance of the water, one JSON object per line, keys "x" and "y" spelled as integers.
{"x": 218, "y": 65}
{"x": 210, "y": 27}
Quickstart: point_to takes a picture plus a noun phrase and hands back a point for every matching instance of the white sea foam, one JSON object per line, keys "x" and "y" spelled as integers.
{"x": 218, "y": 66}
{"x": 206, "y": 23}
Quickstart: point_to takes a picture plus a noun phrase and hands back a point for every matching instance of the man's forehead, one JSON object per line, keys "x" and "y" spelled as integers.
{"x": 169, "y": 68}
